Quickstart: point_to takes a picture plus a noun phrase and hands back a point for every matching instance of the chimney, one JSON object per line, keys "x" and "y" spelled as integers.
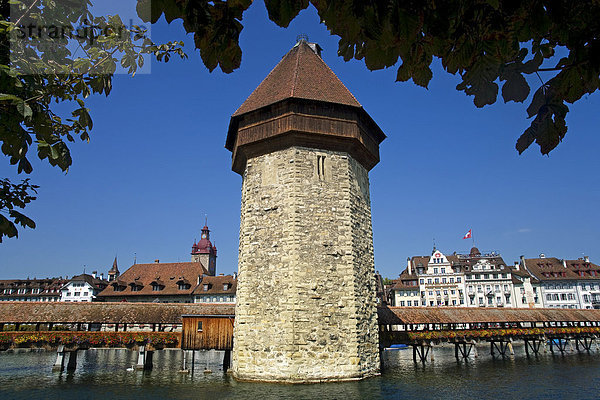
{"x": 156, "y": 261}
{"x": 102, "y": 276}
{"x": 542, "y": 255}
{"x": 235, "y": 275}
{"x": 517, "y": 267}
{"x": 221, "y": 274}
{"x": 409, "y": 266}
{"x": 94, "y": 274}
{"x": 564, "y": 263}
{"x": 586, "y": 259}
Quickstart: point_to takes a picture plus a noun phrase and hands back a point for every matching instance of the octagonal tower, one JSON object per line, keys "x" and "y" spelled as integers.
{"x": 306, "y": 307}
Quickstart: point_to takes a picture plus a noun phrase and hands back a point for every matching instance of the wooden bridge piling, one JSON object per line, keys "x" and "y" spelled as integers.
{"x": 421, "y": 351}
{"x": 59, "y": 364}
{"x": 72, "y": 364}
{"x": 464, "y": 351}
{"x": 500, "y": 345}
{"x": 227, "y": 361}
{"x": 532, "y": 345}
{"x": 144, "y": 361}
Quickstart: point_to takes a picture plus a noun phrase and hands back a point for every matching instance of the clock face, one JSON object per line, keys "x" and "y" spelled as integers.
{"x": 203, "y": 236}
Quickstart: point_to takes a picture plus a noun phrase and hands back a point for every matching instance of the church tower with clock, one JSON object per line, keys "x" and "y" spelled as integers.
{"x": 306, "y": 308}
{"x": 205, "y": 252}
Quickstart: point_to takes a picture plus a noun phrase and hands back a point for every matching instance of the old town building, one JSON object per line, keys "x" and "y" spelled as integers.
{"x": 442, "y": 283}
{"x": 404, "y": 291}
{"x": 488, "y": 280}
{"x": 216, "y": 289}
{"x": 48, "y": 289}
{"x": 566, "y": 283}
{"x": 526, "y": 288}
{"x": 164, "y": 282}
{"x": 83, "y": 288}
{"x": 464, "y": 280}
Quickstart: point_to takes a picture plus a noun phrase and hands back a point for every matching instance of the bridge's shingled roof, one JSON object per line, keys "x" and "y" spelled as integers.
{"x": 165, "y": 313}
{"x": 456, "y": 315}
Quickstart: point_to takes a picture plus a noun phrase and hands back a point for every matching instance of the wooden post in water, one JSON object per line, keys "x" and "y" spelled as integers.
{"x": 141, "y": 358}
{"x": 184, "y": 369}
{"x": 227, "y": 360}
{"x": 72, "y": 365}
{"x": 59, "y": 364}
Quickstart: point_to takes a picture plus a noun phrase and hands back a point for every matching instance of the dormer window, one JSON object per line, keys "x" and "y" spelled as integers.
{"x": 135, "y": 287}
{"x": 205, "y": 287}
{"x": 118, "y": 288}
{"x": 226, "y": 286}
{"x": 183, "y": 286}
{"x": 156, "y": 288}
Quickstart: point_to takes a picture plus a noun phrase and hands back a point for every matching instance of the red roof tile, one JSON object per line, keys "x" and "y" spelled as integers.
{"x": 216, "y": 285}
{"x": 165, "y": 274}
{"x": 300, "y": 74}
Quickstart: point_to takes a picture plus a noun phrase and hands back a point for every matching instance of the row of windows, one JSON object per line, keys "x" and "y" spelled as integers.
{"x": 488, "y": 288}
{"x": 490, "y": 301}
{"x": 487, "y": 276}
{"x": 215, "y": 299}
{"x": 44, "y": 299}
{"x": 439, "y": 292}
{"x": 22, "y": 291}
{"x": 564, "y": 306}
{"x": 444, "y": 303}
{"x": 77, "y": 294}
{"x": 410, "y": 294}
{"x": 158, "y": 288}
{"x": 561, "y": 296}
{"x": 437, "y": 280}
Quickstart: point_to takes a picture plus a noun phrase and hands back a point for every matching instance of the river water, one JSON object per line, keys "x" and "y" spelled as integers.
{"x": 102, "y": 374}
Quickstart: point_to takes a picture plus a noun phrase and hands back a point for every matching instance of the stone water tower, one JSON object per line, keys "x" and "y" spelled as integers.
{"x": 306, "y": 307}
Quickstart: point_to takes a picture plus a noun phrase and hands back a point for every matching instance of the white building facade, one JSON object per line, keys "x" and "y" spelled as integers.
{"x": 440, "y": 282}
{"x": 82, "y": 288}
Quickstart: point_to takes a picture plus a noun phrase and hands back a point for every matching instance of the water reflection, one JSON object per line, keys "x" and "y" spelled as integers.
{"x": 102, "y": 373}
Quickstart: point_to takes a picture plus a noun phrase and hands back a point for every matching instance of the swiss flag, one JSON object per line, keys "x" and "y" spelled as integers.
{"x": 467, "y": 235}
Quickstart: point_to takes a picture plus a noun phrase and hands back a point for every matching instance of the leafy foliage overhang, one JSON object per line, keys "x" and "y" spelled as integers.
{"x": 44, "y": 61}
{"x": 493, "y": 45}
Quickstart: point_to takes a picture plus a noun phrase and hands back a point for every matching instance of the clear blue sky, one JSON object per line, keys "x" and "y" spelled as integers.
{"x": 156, "y": 164}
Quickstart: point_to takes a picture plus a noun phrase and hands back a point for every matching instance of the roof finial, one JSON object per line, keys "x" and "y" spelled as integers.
{"x": 301, "y": 37}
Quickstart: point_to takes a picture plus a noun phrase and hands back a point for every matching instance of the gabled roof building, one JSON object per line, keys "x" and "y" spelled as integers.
{"x": 164, "y": 282}
{"x": 83, "y": 288}
{"x": 566, "y": 283}
{"x": 48, "y": 289}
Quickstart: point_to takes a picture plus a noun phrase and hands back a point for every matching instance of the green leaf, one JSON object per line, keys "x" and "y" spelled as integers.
{"x": 485, "y": 94}
{"x": 539, "y": 99}
{"x": 515, "y": 88}
{"x": 282, "y": 12}
{"x": 22, "y": 220}
{"x": 24, "y": 109}
{"x": 7, "y": 228}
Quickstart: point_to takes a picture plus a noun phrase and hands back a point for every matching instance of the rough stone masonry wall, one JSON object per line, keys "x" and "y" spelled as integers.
{"x": 306, "y": 306}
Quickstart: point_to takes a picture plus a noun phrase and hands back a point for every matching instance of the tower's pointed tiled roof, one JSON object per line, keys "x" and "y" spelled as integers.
{"x": 301, "y": 74}
{"x": 114, "y": 269}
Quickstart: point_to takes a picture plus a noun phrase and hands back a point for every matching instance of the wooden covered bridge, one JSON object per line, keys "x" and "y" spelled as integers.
{"x": 210, "y": 326}
{"x": 144, "y": 327}
{"x": 421, "y": 327}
